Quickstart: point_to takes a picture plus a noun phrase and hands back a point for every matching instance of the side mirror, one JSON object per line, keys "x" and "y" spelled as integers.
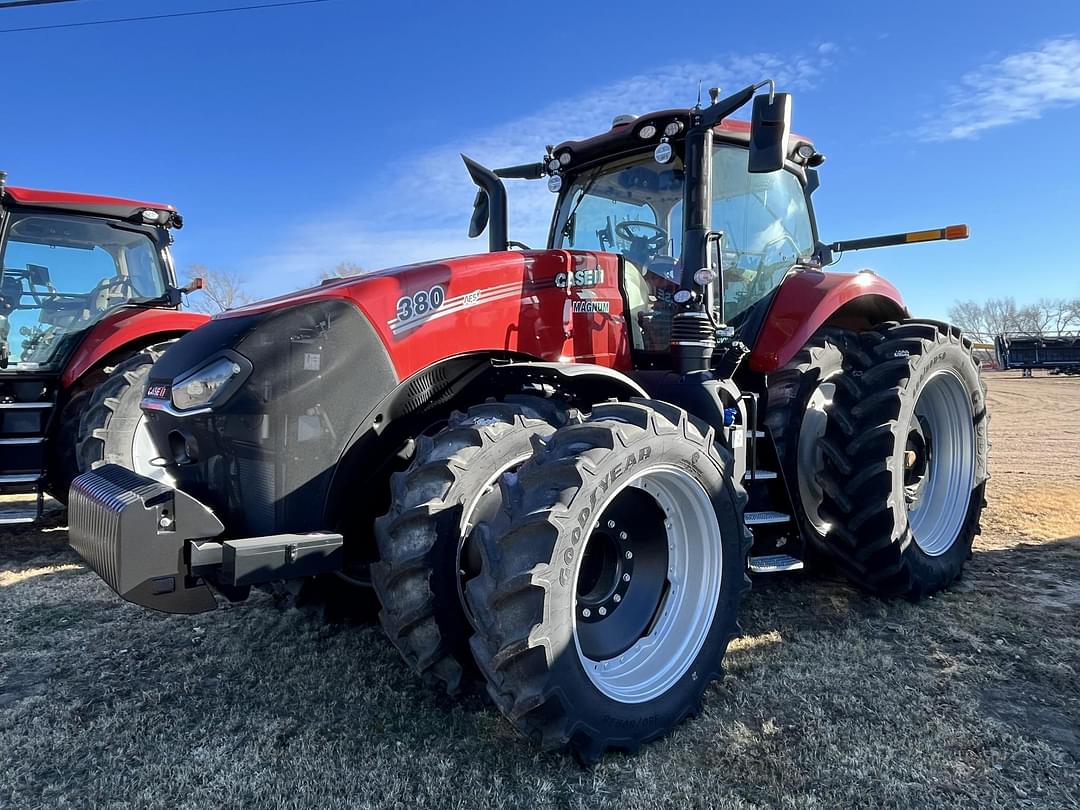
{"x": 196, "y": 283}
{"x": 770, "y": 126}
{"x": 480, "y": 214}
{"x": 38, "y": 275}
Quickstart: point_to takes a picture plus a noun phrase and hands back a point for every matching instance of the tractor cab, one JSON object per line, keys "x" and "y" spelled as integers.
{"x": 69, "y": 261}
{"x": 633, "y": 206}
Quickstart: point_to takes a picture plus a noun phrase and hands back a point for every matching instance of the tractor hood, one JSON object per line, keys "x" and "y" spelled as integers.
{"x": 257, "y": 407}
{"x": 518, "y": 301}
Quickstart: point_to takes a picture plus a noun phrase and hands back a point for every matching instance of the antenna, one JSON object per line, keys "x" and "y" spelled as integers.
{"x": 698, "y": 105}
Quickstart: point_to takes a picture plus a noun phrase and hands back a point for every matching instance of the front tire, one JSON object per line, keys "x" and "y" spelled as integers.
{"x": 113, "y": 428}
{"x": 906, "y": 460}
{"x": 610, "y": 582}
{"x": 450, "y": 485}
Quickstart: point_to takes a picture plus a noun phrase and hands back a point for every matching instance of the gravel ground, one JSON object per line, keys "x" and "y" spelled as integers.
{"x": 832, "y": 698}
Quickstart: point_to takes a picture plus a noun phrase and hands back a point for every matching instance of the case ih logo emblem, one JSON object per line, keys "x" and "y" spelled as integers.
{"x": 580, "y": 278}
{"x": 592, "y": 306}
{"x": 157, "y": 391}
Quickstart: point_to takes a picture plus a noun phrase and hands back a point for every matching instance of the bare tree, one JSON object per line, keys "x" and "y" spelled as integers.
{"x": 221, "y": 290}
{"x": 343, "y": 270}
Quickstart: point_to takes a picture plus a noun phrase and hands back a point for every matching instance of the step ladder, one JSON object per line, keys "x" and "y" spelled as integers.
{"x": 23, "y": 429}
{"x": 778, "y": 545}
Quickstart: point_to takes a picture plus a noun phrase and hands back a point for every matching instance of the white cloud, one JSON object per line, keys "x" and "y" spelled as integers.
{"x": 1019, "y": 87}
{"x": 422, "y": 211}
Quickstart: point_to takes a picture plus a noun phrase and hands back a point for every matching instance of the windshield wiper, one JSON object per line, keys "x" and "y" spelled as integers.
{"x": 585, "y": 189}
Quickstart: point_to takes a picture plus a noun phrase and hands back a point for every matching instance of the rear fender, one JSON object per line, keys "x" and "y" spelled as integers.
{"x": 810, "y": 299}
{"x": 126, "y": 328}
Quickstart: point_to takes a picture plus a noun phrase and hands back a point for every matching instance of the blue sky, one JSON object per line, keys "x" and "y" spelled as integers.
{"x": 296, "y": 138}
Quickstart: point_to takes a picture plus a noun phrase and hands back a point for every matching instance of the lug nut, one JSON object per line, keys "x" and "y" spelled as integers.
{"x": 629, "y": 555}
{"x": 617, "y": 598}
{"x": 602, "y": 611}
{"x": 611, "y": 524}
{"x": 586, "y": 613}
{"x": 623, "y": 535}
{"x": 625, "y": 577}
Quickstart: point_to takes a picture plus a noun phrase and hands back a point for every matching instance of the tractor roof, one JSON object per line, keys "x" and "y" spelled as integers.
{"x": 118, "y": 207}
{"x": 626, "y": 135}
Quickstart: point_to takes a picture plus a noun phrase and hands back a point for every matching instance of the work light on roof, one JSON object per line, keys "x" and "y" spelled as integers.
{"x": 647, "y": 131}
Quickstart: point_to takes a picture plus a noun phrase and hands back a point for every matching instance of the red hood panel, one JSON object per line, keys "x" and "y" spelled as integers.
{"x": 511, "y": 301}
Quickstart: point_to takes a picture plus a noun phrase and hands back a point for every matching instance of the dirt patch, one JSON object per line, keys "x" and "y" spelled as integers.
{"x": 832, "y": 698}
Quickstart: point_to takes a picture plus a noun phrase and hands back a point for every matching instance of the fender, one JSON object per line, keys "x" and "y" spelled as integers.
{"x": 810, "y": 299}
{"x": 123, "y": 328}
{"x": 433, "y": 392}
{"x": 587, "y": 381}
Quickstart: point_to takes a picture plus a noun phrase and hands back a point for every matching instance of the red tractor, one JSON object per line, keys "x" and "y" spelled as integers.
{"x": 555, "y": 468}
{"x": 88, "y": 301}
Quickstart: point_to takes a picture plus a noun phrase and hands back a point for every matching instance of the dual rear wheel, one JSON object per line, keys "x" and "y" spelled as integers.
{"x": 883, "y": 436}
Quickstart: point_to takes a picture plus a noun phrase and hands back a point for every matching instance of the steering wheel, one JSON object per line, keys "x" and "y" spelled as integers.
{"x": 654, "y": 243}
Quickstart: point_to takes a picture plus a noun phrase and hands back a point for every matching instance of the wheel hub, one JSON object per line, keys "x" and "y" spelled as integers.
{"x": 622, "y": 576}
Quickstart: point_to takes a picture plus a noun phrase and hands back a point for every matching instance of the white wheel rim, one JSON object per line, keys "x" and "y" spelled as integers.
{"x": 937, "y": 514}
{"x": 652, "y": 665}
{"x": 809, "y": 457}
{"x": 145, "y": 459}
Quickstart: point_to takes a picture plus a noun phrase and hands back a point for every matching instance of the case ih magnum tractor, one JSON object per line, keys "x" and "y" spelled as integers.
{"x": 88, "y": 300}
{"x": 556, "y": 467}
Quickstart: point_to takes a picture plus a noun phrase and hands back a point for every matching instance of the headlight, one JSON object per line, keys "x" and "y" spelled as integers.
{"x": 200, "y": 387}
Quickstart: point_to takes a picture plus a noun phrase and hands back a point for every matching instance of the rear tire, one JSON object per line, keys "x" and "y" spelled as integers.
{"x": 451, "y": 483}
{"x": 113, "y": 429}
{"x": 799, "y": 398}
{"x": 574, "y": 656}
{"x": 906, "y": 460}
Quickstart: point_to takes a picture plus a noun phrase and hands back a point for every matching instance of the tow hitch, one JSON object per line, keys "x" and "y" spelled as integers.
{"x": 154, "y": 545}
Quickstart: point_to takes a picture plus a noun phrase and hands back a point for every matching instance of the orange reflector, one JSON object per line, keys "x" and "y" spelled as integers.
{"x": 956, "y": 232}
{"x": 922, "y": 236}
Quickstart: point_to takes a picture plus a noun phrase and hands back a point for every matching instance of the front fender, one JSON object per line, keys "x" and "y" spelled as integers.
{"x": 810, "y": 299}
{"x": 125, "y": 327}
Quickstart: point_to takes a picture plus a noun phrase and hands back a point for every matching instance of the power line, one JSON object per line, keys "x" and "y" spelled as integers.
{"x": 171, "y": 16}
{"x": 18, "y": 3}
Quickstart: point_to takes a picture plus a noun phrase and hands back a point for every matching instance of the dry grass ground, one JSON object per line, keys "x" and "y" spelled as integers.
{"x": 833, "y": 698}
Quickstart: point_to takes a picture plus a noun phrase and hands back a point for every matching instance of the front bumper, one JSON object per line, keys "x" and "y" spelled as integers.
{"x": 154, "y": 546}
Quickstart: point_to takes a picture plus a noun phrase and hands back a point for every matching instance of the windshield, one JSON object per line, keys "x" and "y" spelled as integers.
{"x": 634, "y": 207}
{"x": 63, "y": 273}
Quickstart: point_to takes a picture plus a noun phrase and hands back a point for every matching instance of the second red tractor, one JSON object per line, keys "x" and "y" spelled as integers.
{"x": 88, "y": 301}
{"x": 556, "y": 467}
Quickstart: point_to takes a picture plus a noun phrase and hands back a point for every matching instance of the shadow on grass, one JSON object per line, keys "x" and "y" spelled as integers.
{"x": 102, "y": 700}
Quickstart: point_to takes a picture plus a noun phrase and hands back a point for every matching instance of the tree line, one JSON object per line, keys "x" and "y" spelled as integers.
{"x": 1047, "y": 316}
